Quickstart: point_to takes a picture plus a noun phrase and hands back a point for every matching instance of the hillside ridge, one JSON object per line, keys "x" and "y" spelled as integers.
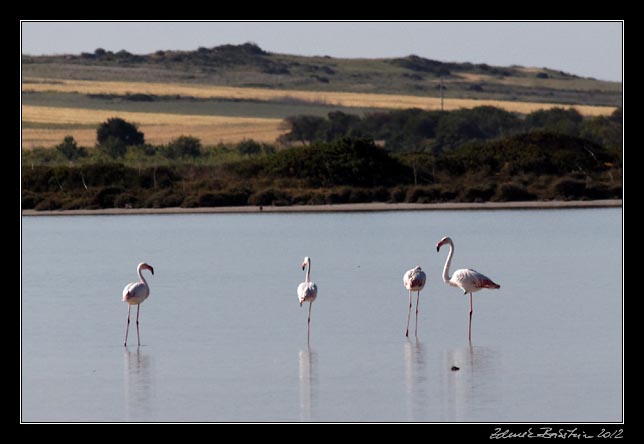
{"x": 248, "y": 65}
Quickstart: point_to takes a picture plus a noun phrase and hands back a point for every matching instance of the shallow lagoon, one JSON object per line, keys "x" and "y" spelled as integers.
{"x": 224, "y": 339}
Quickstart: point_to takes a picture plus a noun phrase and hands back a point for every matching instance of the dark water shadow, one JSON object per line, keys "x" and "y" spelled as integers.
{"x": 474, "y": 390}
{"x": 138, "y": 384}
{"x": 307, "y": 362}
{"x": 415, "y": 380}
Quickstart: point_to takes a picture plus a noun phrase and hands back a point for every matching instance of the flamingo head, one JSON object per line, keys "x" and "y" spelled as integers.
{"x": 443, "y": 241}
{"x": 307, "y": 261}
{"x": 145, "y": 266}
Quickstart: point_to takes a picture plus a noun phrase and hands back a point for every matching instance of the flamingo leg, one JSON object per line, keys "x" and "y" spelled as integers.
{"x": 417, "y": 297}
{"x": 470, "y": 329}
{"x": 127, "y": 328}
{"x": 138, "y": 338}
{"x": 308, "y": 325}
{"x": 408, "y": 314}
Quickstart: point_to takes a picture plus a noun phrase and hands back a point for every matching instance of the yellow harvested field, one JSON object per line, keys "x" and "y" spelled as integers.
{"x": 534, "y": 82}
{"x": 158, "y": 127}
{"x": 470, "y": 77}
{"x": 331, "y": 97}
{"x": 37, "y": 137}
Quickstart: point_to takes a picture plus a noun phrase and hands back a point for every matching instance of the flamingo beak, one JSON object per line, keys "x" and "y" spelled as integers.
{"x": 438, "y": 247}
{"x": 300, "y": 304}
{"x": 152, "y": 270}
{"x": 303, "y": 265}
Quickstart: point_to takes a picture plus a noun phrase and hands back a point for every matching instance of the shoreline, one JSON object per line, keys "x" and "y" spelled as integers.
{"x": 352, "y": 207}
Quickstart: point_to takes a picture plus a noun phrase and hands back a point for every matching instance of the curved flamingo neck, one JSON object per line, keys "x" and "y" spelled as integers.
{"x": 308, "y": 271}
{"x": 448, "y": 262}
{"x": 141, "y": 278}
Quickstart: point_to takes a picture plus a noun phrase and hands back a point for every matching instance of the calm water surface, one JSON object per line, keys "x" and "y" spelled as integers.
{"x": 223, "y": 337}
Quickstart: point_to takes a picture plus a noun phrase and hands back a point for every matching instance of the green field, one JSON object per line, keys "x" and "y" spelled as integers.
{"x": 278, "y": 108}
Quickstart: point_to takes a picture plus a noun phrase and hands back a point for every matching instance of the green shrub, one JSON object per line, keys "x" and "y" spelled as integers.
{"x": 163, "y": 177}
{"x": 266, "y": 197}
{"x": 514, "y": 192}
{"x": 353, "y": 162}
{"x": 466, "y": 125}
{"x": 303, "y": 197}
{"x": 105, "y": 197}
{"x": 113, "y": 148}
{"x": 141, "y": 152}
{"x": 360, "y": 195}
{"x": 397, "y": 194}
{"x": 424, "y": 194}
{"x": 380, "y": 194}
{"x": 212, "y": 200}
{"x": 78, "y": 203}
{"x": 538, "y": 152}
{"x": 49, "y": 203}
{"x": 70, "y": 149}
{"x": 217, "y": 199}
{"x": 557, "y": 120}
{"x": 106, "y": 175}
{"x": 126, "y": 200}
{"x": 30, "y": 199}
{"x": 479, "y": 193}
{"x": 249, "y": 147}
{"x": 183, "y": 146}
{"x": 304, "y": 129}
{"x": 316, "y": 199}
{"x": 164, "y": 198}
{"x": 120, "y": 131}
{"x": 338, "y": 195}
{"x": 605, "y": 131}
{"x": 570, "y": 188}
{"x": 244, "y": 169}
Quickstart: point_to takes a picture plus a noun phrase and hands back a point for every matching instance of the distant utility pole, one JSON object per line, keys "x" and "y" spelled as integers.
{"x": 441, "y": 88}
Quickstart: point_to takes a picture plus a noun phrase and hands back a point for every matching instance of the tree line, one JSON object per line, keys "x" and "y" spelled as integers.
{"x": 472, "y": 156}
{"x": 417, "y": 130}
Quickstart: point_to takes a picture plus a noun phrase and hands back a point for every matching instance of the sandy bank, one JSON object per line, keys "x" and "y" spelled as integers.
{"x": 376, "y": 206}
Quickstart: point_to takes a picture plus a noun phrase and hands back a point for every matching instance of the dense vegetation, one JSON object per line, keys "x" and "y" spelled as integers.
{"x": 414, "y": 130}
{"x": 420, "y": 156}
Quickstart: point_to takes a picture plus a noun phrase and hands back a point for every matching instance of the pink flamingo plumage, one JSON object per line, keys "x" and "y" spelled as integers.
{"x": 307, "y": 291}
{"x": 466, "y": 279}
{"x": 414, "y": 280}
{"x": 135, "y": 293}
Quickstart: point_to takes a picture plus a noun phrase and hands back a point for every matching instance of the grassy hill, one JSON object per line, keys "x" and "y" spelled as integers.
{"x": 249, "y": 66}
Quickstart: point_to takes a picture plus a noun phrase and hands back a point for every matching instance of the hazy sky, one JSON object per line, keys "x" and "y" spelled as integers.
{"x": 589, "y": 49}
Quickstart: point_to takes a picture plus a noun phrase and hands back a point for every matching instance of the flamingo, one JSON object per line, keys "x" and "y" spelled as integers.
{"x": 466, "y": 279}
{"x": 414, "y": 280}
{"x": 135, "y": 293}
{"x": 307, "y": 291}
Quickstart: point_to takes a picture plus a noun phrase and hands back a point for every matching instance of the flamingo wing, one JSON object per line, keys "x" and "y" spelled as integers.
{"x": 471, "y": 280}
{"x": 307, "y": 291}
{"x": 135, "y": 290}
{"x": 414, "y": 279}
